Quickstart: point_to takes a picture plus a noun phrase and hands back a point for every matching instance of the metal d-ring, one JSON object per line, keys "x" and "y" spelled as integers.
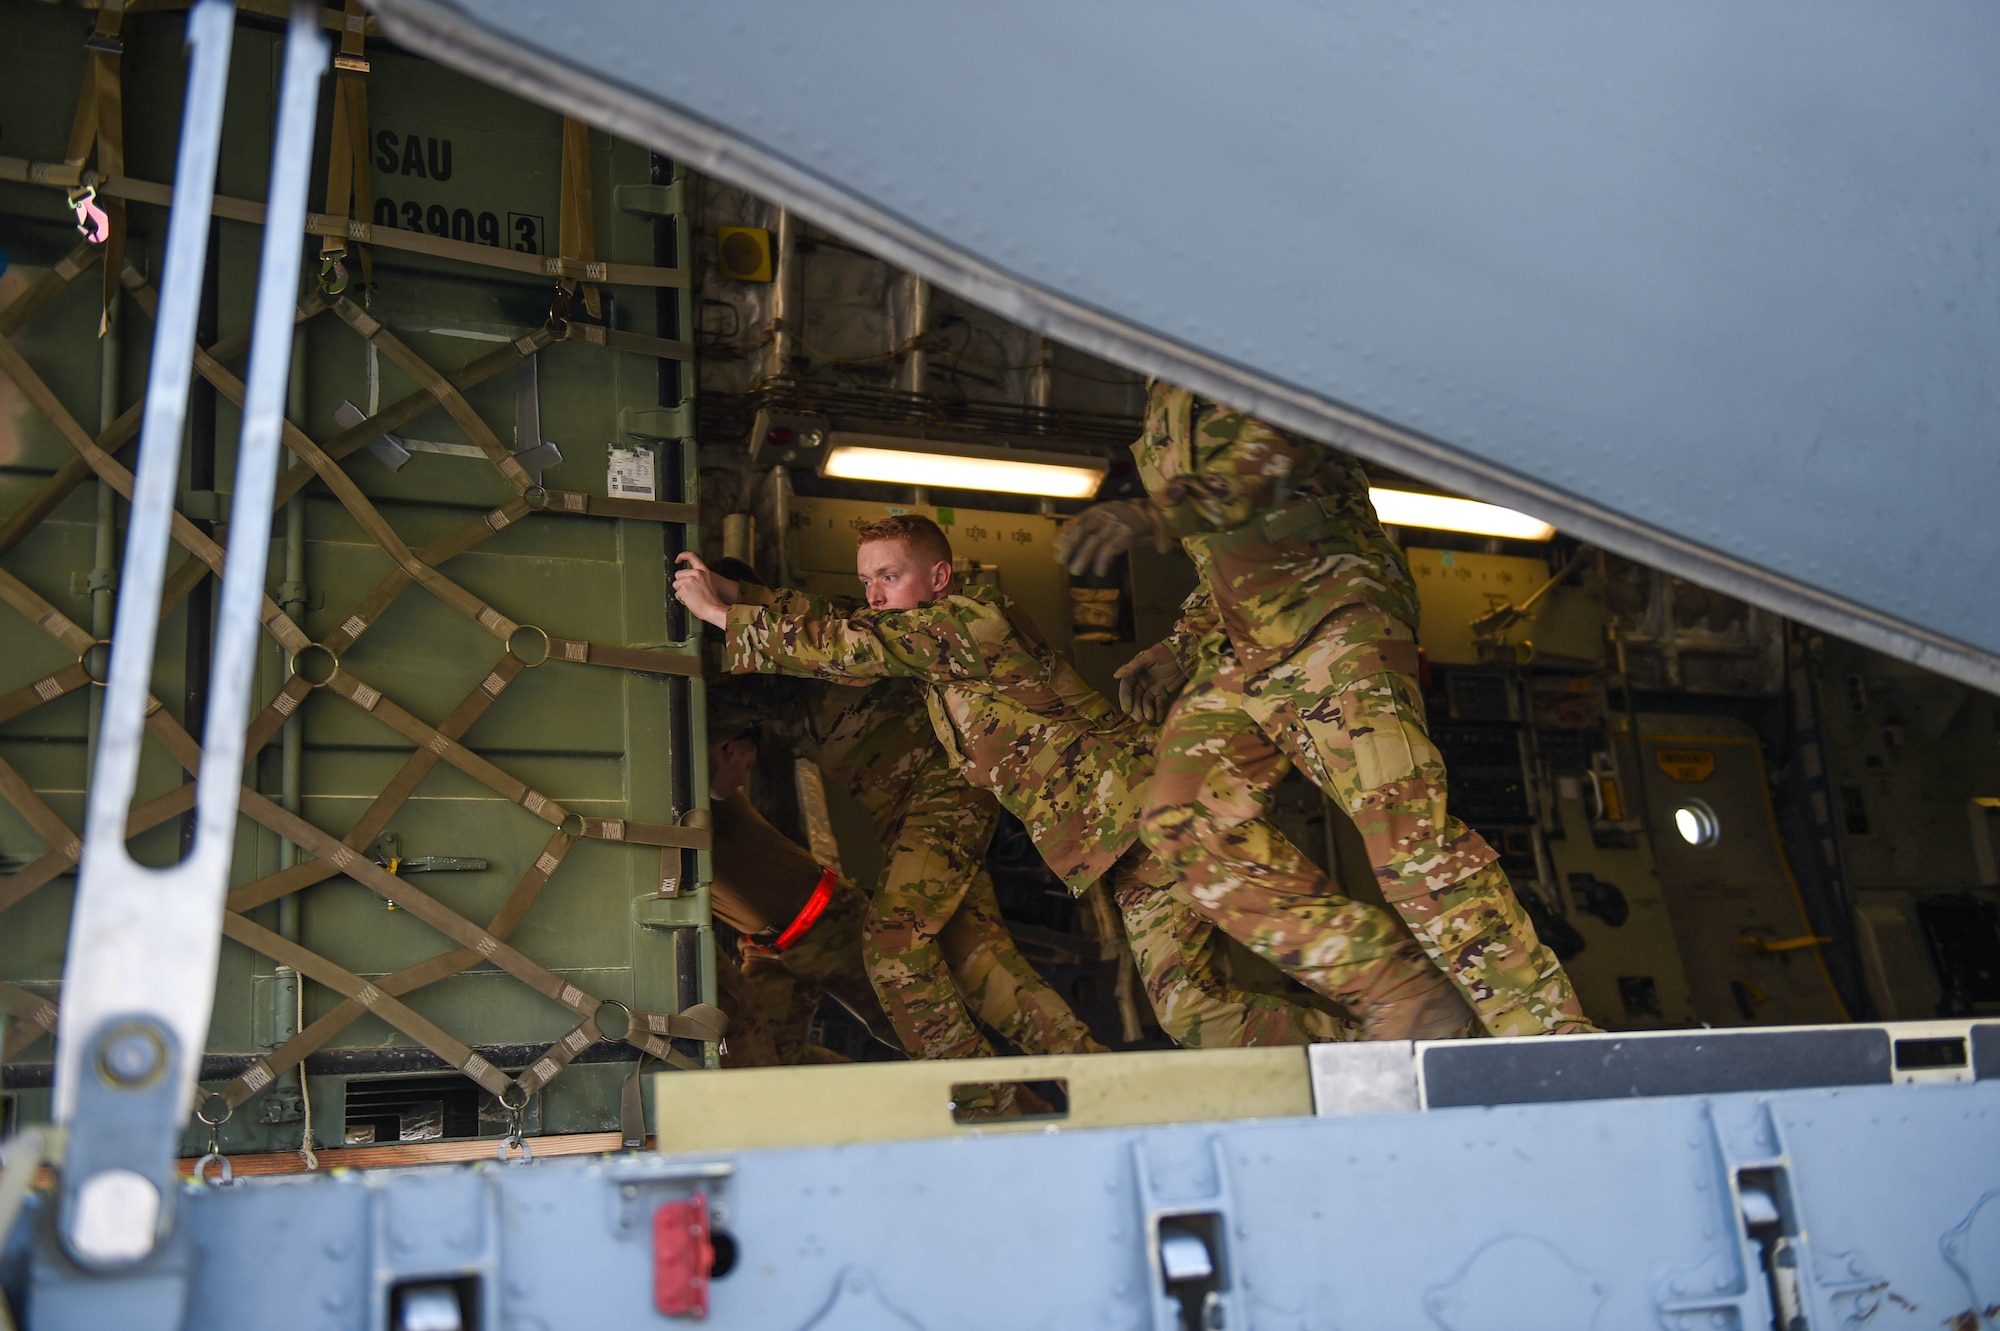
{"x": 228, "y": 1110}
{"x": 83, "y": 659}
{"x": 612, "y": 1002}
{"x": 536, "y": 497}
{"x": 571, "y": 825}
{"x": 522, "y": 656}
{"x": 513, "y": 1108}
{"x": 330, "y": 654}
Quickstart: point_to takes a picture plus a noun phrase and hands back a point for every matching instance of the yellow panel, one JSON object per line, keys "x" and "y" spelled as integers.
{"x": 826, "y": 1105}
{"x": 1456, "y": 586}
{"x": 1736, "y": 909}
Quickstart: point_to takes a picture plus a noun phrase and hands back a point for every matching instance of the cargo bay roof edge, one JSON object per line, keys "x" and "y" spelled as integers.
{"x": 503, "y": 44}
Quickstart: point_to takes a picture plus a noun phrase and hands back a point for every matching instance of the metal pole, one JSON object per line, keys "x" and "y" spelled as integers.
{"x": 104, "y": 553}
{"x": 1042, "y": 384}
{"x": 913, "y": 376}
{"x": 783, "y": 364}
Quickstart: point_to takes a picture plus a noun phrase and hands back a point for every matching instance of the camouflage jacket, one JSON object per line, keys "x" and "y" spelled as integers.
{"x": 1012, "y": 712}
{"x": 1280, "y": 528}
{"x": 872, "y": 740}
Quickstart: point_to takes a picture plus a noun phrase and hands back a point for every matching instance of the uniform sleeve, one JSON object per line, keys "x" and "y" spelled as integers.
{"x": 933, "y": 642}
{"x": 785, "y": 600}
{"x": 1198, "y": 620}
{"x": 1240, "y": 468}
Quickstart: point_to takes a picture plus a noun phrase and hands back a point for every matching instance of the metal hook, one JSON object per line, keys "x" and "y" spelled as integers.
{"x": 225, "y": 1175}
{"x": 517, "y": 1130}
{"x": 559, "y": 304}
{"x": 90, "y": 219}
{"x": 332, "y": 273}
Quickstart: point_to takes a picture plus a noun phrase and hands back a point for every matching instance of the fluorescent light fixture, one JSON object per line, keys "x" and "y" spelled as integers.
{"x": 949, "y": 466}
{"x": 1406, "y": 508}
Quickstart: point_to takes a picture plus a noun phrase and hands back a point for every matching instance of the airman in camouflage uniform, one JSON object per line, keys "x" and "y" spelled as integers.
{"x": 764, "y": 882}
{"x": 1019, "y": 721}
{"x": 934, "y": 828}
{"x": 1300, "y": 645}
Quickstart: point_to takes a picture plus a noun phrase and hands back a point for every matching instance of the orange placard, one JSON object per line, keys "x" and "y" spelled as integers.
{"x": 1690, "y": 765}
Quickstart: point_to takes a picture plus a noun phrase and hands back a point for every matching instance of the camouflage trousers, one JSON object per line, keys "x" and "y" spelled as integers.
{"x": 772, "y": 997}
{"x": 935, "y": 946}
{"x": 1345, "y": 707}
{"x": 1187, "y": 978}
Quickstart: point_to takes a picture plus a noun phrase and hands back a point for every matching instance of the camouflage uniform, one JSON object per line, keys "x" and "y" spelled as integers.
{"x": 1018, "y": 721}
{"x": 934, "y": 828}
{"x": 1300, "y": 646}
{"x": 772, "y": 996}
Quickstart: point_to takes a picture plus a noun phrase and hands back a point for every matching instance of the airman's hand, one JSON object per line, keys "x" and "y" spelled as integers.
{"x": 1105, "y": 531}
{"x": 1149, "y": 683}
{"x": 706, "y": 594}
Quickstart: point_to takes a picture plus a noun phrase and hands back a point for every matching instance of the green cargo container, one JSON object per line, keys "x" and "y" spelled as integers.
{"x": 461, "y": 163}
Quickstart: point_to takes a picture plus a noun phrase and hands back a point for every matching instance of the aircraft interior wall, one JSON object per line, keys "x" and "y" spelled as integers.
{"x": 1850, "y": 872}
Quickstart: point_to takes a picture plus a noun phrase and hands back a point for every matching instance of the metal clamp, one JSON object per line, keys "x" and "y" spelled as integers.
{"x": 91, "y": 222}
{"x": 332, "y": 272}
{"x": 517, "y": 1129}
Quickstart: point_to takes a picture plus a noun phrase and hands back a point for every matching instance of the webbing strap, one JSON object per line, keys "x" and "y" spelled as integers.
{"x": 321, "y": 1032}
{"x": 46, "y": 689}
{"x": 350, "y": 179}
{"x": 38, "y": 815}
{"x": 371, "y": 701}
{"x": 50, "y": 494}
{"x": 37, "y": 1018}
{"x": 46, "y": 288}
{"x": 100, "y": 122}
{"x": 368, "y": 995}
{"x": 452, "y": 925}
{"x": 356, "y": 437}
{"x": 689, "y": 837}
{"x": 60, "y": 175}
{"x": 597, "y": 335}
{"x": 53, "y": 865}
{"x": 699, "y": 1022}
{"x": 576, "y": 224}
{"x": 624, "y": 658}
{"x": 160, "y": 809}
{"x": 43, "y": 615}
{"x": 395, "y": 580}
{"x": 607, "y": 506}
{"x": 438, "y": 387}
{"x": 357, "y": 504}
{"x": 191, "y": 538}
{"x": 386, "y": 804}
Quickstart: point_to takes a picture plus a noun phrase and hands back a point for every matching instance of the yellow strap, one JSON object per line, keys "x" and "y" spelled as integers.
{"x": 100, "y": 123}
{"x": 577, "y": 230}
{"x": 350, "y": 183}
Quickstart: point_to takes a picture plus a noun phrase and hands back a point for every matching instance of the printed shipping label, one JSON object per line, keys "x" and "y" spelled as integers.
{"x": 630, "y": 474}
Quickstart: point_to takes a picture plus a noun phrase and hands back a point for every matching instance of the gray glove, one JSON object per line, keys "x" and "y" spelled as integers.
{"x": 1104, "y": 532}
{"x": 1149, "y": 683}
